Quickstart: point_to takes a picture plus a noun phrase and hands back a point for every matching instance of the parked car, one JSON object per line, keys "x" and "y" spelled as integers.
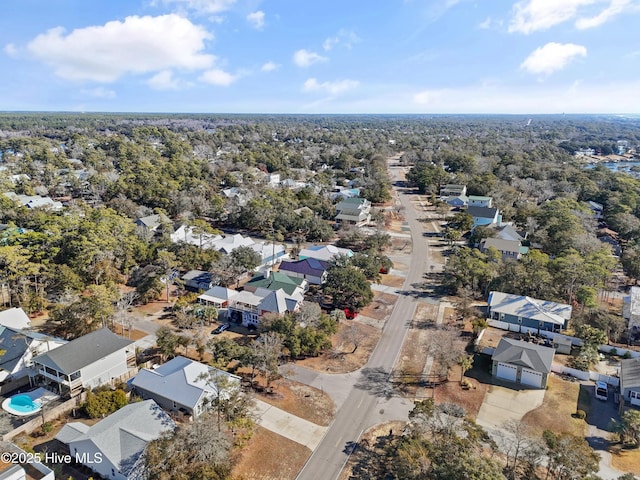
{"x": 602, "y": 391}
{"x": 220, "y": 328}
{"x": 350, "y": 314}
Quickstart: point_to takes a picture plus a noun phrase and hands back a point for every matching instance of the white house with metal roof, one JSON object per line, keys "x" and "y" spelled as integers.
{"x": 630, "y": 381}
{"x": 94, "y": 359}
{"x": 184, "y": 385}
{"x": 17, "y": 349}
{"x": 324, "y": 252}
{"x": 113, "y": 447}
{"x": 518, "y": 311}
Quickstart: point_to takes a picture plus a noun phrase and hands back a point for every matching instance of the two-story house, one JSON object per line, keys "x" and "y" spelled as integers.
{"x": 484, "y": 216}
{"x": 353, "y": 211}
{"x": 509, "y": 249}
{"x": 90, "y": 361}
{"x": 516, "y": 311}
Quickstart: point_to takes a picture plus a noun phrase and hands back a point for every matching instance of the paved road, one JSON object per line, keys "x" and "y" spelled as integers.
{"x": 367, "y": 402}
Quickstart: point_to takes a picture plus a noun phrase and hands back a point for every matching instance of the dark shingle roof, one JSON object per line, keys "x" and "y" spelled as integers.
{"x": 308, "y": 266}
{"x": 83, "y": 351}
{"x": 482, "y": 212}
{"x": 524, "y": 354}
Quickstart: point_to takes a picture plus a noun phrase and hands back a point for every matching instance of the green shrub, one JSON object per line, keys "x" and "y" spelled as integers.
{"x": 104, "y": 402}
{"x": 627, "y": 355}
{"x": 613, "y": 351}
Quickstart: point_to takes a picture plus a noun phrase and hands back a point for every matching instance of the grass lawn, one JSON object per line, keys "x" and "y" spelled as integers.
{"x": 555, "y": 413}
{"x": 269, "y": 456}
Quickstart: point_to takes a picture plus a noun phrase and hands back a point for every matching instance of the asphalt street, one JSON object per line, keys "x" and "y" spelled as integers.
{"x": 369, "y": 401}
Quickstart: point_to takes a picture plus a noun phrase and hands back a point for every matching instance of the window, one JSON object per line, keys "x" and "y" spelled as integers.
{"x": 634, "y": 394}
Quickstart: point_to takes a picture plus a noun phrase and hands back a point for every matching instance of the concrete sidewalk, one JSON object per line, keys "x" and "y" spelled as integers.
{"x": 294, "y": 428}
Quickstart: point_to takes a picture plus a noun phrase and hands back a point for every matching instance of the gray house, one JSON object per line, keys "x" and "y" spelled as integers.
{"x": 519, "y": 311}
{"x": 113, "y": 447}
{"x": 630, "y": 381}
{"x": 522, "y": 362}
{"x": 94, "y": 359}
{"x": 181, "y": 385}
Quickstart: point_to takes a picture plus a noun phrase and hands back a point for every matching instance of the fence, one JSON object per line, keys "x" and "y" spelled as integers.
{"x": 46, "y": 415}
{"x": 595, "y": 376}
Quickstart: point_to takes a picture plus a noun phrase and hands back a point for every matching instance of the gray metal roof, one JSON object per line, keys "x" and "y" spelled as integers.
{"x": 180, "y": 380}
{"x": 83, "y": 351}
{"x": 502, "y": 245}
{"x": 527, "y": 307}
{"x": 71, "y": 431}
{"x": 524, "y": 354}
{"x": 630, "y": 373}
{"x": 123, "y": 435}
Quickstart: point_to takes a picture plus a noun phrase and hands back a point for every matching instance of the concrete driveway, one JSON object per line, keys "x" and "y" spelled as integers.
{"x": 294, "y": 428}
{"x": 502, "y": 404}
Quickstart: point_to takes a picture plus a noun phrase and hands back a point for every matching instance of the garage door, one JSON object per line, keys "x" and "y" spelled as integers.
{"x": 531, "y": 378}
{"x": 508, "y": 372}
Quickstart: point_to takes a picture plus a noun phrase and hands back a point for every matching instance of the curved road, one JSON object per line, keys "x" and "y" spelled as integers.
{"x": 365, "y": 407}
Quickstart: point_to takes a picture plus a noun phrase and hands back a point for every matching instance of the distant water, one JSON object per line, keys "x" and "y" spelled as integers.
{"x": 624, "y": 167}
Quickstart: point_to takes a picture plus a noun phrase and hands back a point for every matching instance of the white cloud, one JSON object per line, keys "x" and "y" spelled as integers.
{"x": 616, "y": 7}
{"x": 305, "y": 58}
{"x": 218, "y": 77}
{"x": 136, "y": 45}
{"x": 269, "y": 67}
{"x": 533, "y": 15}
{"x": 331, "y": 88}
{"x": 99, "y": 92}
{"x": 256, "y": 19}
{"x": 552, "y": 57}
{"x": 346, "y": 38}
{"x": 164, "y": 80}
{"x": 209, "y": 7}
{"x": 10, "y": 49}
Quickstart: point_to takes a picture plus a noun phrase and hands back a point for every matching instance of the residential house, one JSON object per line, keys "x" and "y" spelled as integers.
{"x": 630, "y": 380}
{"x": 597, "y": 209}
{"x": 631, "y": 311}
{"x": 247, "y": 307}
{"x": 452, "y": 190}
{"x": 229, "y": 243}
{"x": 113, "y": 447}
{"x": 480, "y": 201}
{"x": 353, "y": 211}
{"x": 291, "y": 184}
{"x": 270, "y": 253}
{"x": 522, "y": 362}
{"x": 324, "y": 252}
{"x": 236, "y": 195}
{"x": 17, "y": 349}
{"x": 196, "y": 280}
{"x": 275, "y": 281}
{"x": 484, "y": 216}
{"x": 272, "y": 179}
{"x": 217, "y": 296}
{"x": 90, "y": 361}
{"x": 184, "y": 385}
{"x": 611, "y": 238}
{"x": 456, "y": 201}
{"x": 25, "y": 467}
{"x": 507, "y": 232}
{"x": 509, "y": 249}
{"x": 35, "y": 201}
{"x": 312, "y": 270}
{"x": 519, "y": 311}
{"x": 152, "y": 223}
{"x": 343, "y": 193}
{"x": 15, "y": 318}
{"x": 193, "y": 236}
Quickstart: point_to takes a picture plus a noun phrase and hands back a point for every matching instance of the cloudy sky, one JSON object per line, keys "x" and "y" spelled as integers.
{"x": 321, "y": 56}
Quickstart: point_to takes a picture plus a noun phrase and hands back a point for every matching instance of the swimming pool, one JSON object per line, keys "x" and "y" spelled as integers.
{"x": 21, "y": 405}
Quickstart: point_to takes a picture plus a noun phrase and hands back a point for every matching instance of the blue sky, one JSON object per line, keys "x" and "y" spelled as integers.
{"x": 321, "y": 56}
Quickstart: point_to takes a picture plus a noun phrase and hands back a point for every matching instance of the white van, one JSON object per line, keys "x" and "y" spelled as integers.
{"x": 602, "y": 391}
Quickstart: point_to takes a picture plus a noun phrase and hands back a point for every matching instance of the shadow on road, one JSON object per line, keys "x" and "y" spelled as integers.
{"x": 375, "y": 381}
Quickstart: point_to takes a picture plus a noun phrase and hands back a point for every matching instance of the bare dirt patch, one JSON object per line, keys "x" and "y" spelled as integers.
{"x": 491, "y": 337}
{"x": 401, "y": 244}
{"x": 269, "y": 456}
{"x": 381, "y": 307}
{"x": 626, "y": 460}
{"x": 426, "y": 313}
{"x": 452, "y": 392}
{"x": 131, "y": 334}
{"x": 392, "y": 280}
{"x": 341, "y": 358}
{"x": 302, "y": 401}
{"x": 555, "y": 413}
{"x": 370, "y": 449}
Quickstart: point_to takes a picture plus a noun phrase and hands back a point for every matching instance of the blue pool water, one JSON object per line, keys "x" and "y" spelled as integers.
{"x": 23, "y": 404}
